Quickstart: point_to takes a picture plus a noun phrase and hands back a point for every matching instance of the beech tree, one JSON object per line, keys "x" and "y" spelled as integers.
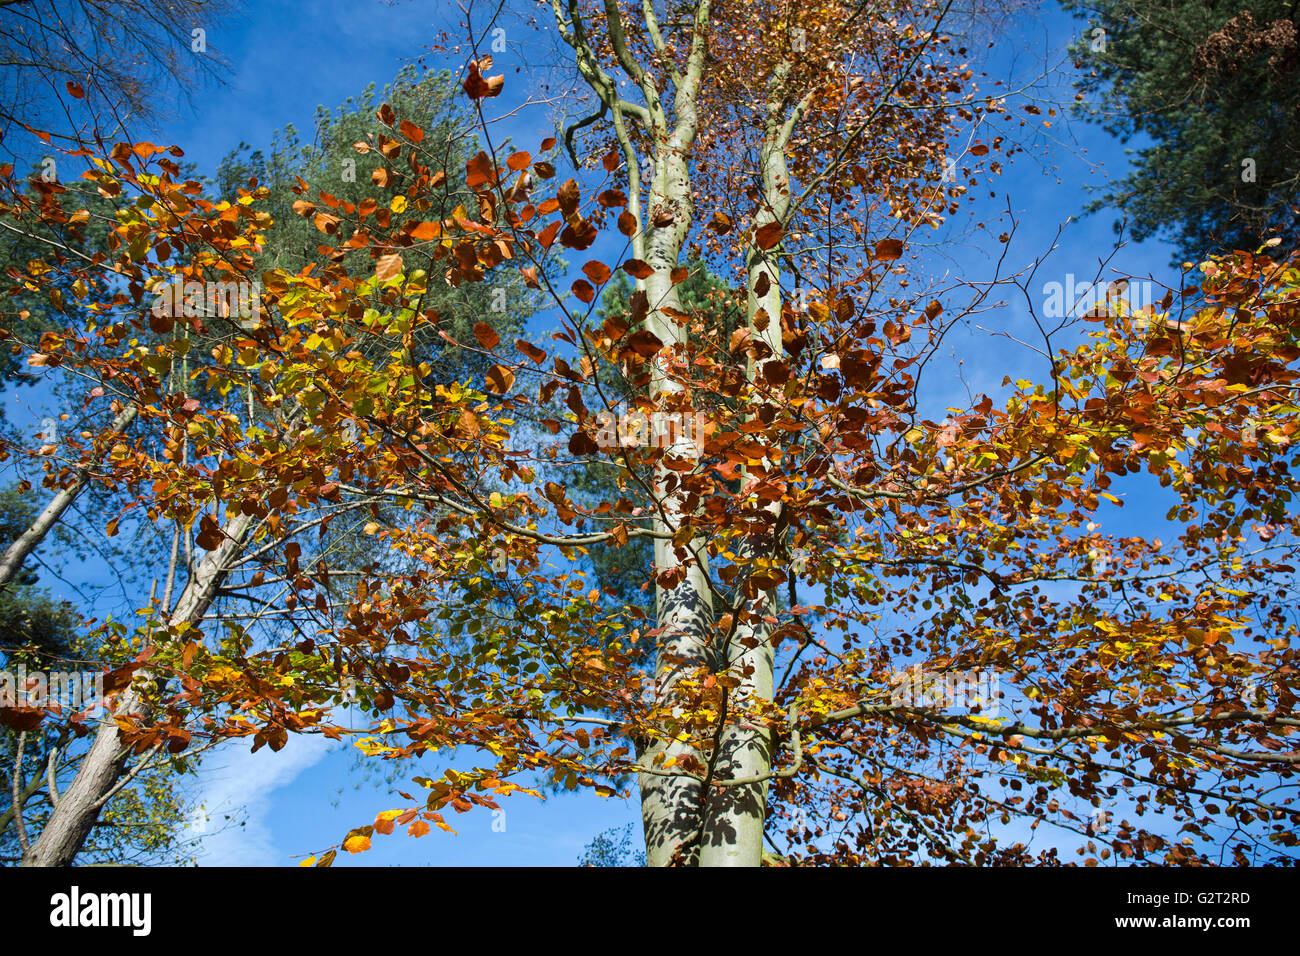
{"x": 879, "y": 636}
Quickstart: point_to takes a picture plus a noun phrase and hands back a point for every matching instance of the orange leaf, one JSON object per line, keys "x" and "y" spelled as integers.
{"x": 478, "y": 86}
{"x": 479, "y": 170}
{"x": 486, "y": 335}
{"x": 411, "y": 131}
{"x": 424, "y": 230}
{"x": 583, "y": 290}
{"x": 638, "y": 268}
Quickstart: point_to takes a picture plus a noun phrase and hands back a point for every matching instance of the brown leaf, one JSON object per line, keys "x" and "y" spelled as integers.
{"x": 568, "y": 197}
{"x": 486, "y": 335}
{"x": 479, "y": 170}
{"x": 532, "y": 351}
{"x": 596, "y": 271}
{"x": 477, "y": 86}
{"x": 887, "y": 250}
{"x": 638, "y": 268}
{"x": 720, "y": 223}
{"x": 579, "y": 235}
{"x": 581, "y": 444}
{"x": 388, "y": 266}
{"x": 500, "y": 378}
{"x": 769, "y": 235}
{"x": 645, "y": 343}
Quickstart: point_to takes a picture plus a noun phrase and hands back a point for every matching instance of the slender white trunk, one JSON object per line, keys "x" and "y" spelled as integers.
{"x": 735, "y": 816}
{"x": 29, "y": 540}
{"x": 670, "y": 805}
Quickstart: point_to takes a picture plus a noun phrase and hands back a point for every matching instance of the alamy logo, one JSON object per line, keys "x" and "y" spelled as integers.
{"x": 1077, "y": 300}
{"x": 67, "y": 692}
{"x": 75, "y": 909}
{"x": 238, "y": 301}
{"x": 968, "y": 688}
{"x": 655, "y": 430}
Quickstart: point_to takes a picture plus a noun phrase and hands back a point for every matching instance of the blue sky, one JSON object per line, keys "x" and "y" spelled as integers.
{"x": 288, "y": 58}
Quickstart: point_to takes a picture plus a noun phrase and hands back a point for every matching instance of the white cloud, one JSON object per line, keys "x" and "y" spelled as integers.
{"x": 239, "y": 783}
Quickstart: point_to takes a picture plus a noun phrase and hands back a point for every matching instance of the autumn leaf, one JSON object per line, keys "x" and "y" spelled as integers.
{"x": 888, "y": 250}
{"x": 424, "y": 230}
{"x": 568, "y": 197}
{"x": 638, "y": 269}
{"x": 720, "y": 223}
{"x": 596, "y": 271}
{"x": 388, "y": 266}
{"x": 478, "y": 87}
{"x": 411, "y": 131}
{"x": 645, "y": 343}
{"x": 769, "y": 235}
{"x": 479, "y": 170}
{"x": 500, "y": 378}
{"x": 357, "y": 844}
{"x": 532, "y": 351}
{"x": 486, "y": 335}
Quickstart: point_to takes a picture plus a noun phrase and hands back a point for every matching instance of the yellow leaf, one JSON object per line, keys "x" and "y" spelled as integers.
{"x": 398, "y": 204}
{"x": 310, "y": 861}
{"x": 357, "y": 844}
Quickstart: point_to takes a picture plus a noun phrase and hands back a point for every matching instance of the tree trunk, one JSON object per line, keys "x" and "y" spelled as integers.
{"x": 104, "y": 764}
{"x": 735, "y": 816}
{"x": 670, "y": 805}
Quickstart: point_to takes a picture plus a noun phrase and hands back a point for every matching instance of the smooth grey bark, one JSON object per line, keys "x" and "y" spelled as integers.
{"x": 105, "y": 762}
{"x": 736, "y": 815}
{"x": 671, "y": 804}
{"x": 29, "y": 540}
{"x": 683, "y": 824}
